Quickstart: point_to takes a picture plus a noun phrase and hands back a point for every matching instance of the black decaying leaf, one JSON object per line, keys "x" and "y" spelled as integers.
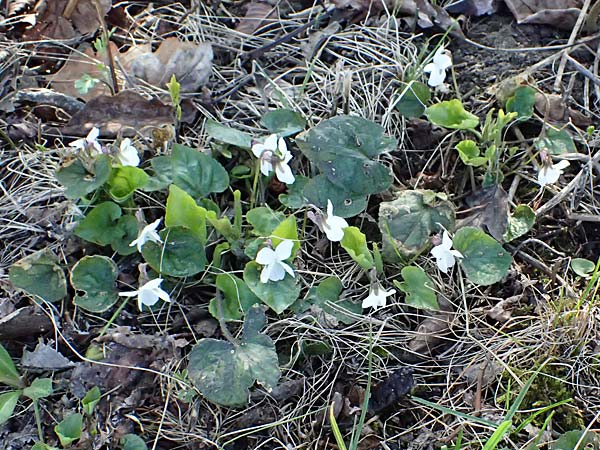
{"x": 391, "y": 390}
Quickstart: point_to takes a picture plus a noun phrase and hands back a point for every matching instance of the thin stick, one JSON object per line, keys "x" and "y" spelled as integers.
{"x": 565, "y": 53}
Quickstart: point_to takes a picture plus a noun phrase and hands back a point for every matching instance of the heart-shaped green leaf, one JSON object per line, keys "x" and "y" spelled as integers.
{"x": 78, "y": 182}
{"x": 196, "y": 173}
{"x": 90, "y": 400}
{"x": 124, "y": 181}
{"x": 39, "y": 274}
{"x": 228, "y": 135}
{"x": 133, "y": 442}
{"x": 181, "y": 255}
{"x": 183, "y": 211}
{"x": 522, "y": 102}
{"x": 68, "y": 430}
{"x": 326, "y": 295}
{"x": 451, "y": 114}
{"x": 582, "y": 267}
{"x": 39, "y": 388}
{"x": 413, "y": 99}
{"x": 355, "y": 243}
{"x": 127, "y": 226}
{"x": 100, "y": 224}
{"x": 223, "y": 372}
{"x": 407, "y": 222}
{"x": 283, "y": 122}
{"x": 484, "y": 260}
{"x": 93, "y": 278}
{"x": 264, "y": 220}
{"x": 278, "y": 295}
{"x": 163, "y": 174}
{"x": 237, "y": 297}
{"x": 418, "y": 288}
{"x": 519, "y": 223}
{"x": 556, "y": 142}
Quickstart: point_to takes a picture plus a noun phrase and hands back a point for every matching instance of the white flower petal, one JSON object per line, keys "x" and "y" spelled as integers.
{"x": 562, "y": 164}
{"x": 442, "y": 60}
{"x": 93, "y": 134}
{"x": 265, "y": 273}
{"x": 329, "y": 208}
{"x": 271, "y": 143}
{"x": 288, "y": 269}
{"x": 128, "y": 294}
{"x": 266, "y": 167}
{"x": 446, "y": 241}
{"x": 147, "y": 297}
{"x": 258, "y": 150}
{"x": 436, "y": 77}
{"x": 284, "y": 173}
{"x": 284, "y": 250}
{"x": 277, "y": 272}
{"x": 266, "y": 256}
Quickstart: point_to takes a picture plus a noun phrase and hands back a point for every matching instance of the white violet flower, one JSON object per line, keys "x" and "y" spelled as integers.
{"x": 333, "y": 226}
{"x": 149, "y": 293}
{"x": 148, "y": 233}
{"x": 444, "y": 256}
{"x": 550, "y": 173}
{"x": 127, "y": 154}
{"x": 377, "y": 297}
{"x": 274, "y": 155}
{"x": 273, "y": 260}
{"x": 89, "y": 142}
{"x": 437, "y": 68}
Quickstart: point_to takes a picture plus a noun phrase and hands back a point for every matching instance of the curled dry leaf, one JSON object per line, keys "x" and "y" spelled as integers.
{"x": 473, "y": 7}
{"x": 554, "y": 109}
{"x": 126, "y": 113}
{"x": 54, "y": 21}
{"x": 257, "y": 14}
{"x": 559, "y": 13}
{"x": 190, "y": 63}
{"x": 489, "y": 208}
{"x": 79, "y": 64}
{"x": 45, "y": 357}
{"x": 430, "y": 333}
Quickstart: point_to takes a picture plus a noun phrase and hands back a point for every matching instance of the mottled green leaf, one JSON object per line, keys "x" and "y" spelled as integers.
{"x": 278, "y": 295}
{"x": 237, "y": 297}
{"x": 223, "y": 372}
{"x": 413, "y": 100}
{"x": 522, "y": 102}
{"x": 181, "y": 255}
{"x": 556, "y": 142}
{"x": 39, "y": 274}
{"x": 484, "y": 260}
{"x": 93, "y": 278}
{"x": 519, "y": 223}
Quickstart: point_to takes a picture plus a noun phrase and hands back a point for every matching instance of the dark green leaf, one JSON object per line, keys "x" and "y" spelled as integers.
{"x": 264, "y": 220}
{"x": 196, "y": 173}
{"x": 39, "y": 274}
{"x": 283, "y": 122}
{"x": 582, "y": 267}
{"x": 570, "y": 439}
{"x": 522, "y": 102}
{"x": 163, "y": 174}
{"x": 413, "y": 100}
{"x": 127, "y": 228}
{"x": 407, "y": 222}
{"x": 345, "y": 204}
{"x": 228, "y": 135}
{"x": 556, "y": 142}
{"x": 237, "y": 297}
{"x": 519, "y": 223}
{"x": 100, "y": 226}
{"x": 8, "y": 371}
{"x": 133, "y": 442}
{"x": 91, "y": 399}
{"x": 93, "y": 278}
{"x": 78, "y": 181}
{"x": 181, "y": 255}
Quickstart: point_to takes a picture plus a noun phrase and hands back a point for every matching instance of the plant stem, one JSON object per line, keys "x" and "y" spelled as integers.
{"x": 114, "y": 316}
{"x": 38, "y": 420}
{"x": 222, "y": 324}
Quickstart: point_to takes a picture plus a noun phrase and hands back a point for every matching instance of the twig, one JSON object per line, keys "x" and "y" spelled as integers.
{"x": 68, "y": 11}
{"x": 111, "y": 61}
{"x": 565, "y": 53}
{"x": 560, "y": 196}
{"x": 582, "y": 70}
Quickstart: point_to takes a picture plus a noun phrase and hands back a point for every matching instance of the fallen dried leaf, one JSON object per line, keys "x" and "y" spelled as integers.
{"x": 127, "y": 113}
{"x": 190, "y": 63}
{"x": 79, "y": 64}
{"x": 257, "y": 13}
{"x": 559, "y": 13}
{"x": 46, "y": 358}
{"x": 430, "y": 333}
{"x": 54, "y": 22}
{"x": 391, "y": 390}
{"x": 473, "y": 7}
{"x": 490, "y": 208}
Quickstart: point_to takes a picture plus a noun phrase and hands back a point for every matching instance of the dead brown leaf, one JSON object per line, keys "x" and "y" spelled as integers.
{"x": 473, "y": 7}
{"x": 555, "y": 109}
{"x": 257, "y": 13}
{"x": 490, "y": 209}
{"x": 81, "y": 63}
{"x": 430, "y": 333}
{"x": 127, "y": 113}
{"x": 559, "y": 13}
{"x": 190, "y": 63}
{"x": 55, "y": 22}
